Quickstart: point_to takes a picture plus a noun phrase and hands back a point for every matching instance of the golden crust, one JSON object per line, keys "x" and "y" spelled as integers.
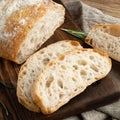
{"x": 28, "y": 106}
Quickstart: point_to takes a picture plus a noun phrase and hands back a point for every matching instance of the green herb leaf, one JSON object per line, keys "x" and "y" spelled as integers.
{"x": 4, "y": 107}
{"x": 76, "y": 33}
{"x": 6, "y": 85}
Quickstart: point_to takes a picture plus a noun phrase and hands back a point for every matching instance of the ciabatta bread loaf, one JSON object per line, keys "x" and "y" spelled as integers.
{"x": 105, "y": 37}
{"x": 25, "y": 25}
{"x": 34, "y": 65}
{"x": 67, "y": 76}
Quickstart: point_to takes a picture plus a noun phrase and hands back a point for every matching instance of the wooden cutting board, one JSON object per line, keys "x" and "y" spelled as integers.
{"x": 100, "y": 93}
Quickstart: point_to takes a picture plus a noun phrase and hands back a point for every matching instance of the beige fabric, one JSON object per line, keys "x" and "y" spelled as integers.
{"x": 86, "y": 16}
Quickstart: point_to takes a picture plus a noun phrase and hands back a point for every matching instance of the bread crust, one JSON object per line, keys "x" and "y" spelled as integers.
{"x": 111, "y": 39}
{"x": 25, "y": 103}
{"x": 20, "y": 95}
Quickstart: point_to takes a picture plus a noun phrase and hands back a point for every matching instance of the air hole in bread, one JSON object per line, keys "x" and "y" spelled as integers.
{"x": 24, "y": 72}
{"x": 50, "y": 54}
{"x": 96, "y": 78}
{"x": 32, "y": 40}
{"x": 91, "y": 57}
{"x": 63, "y": 67}
{"x": 49, "y": 92}
{"x": 51, "y": 63}
{"x": 61, "y": 95}
{"x": 94, "y": 68}
{"x": 49, "y": 81}
{"x": 75, "y": 67}
{"x": 45, "y": 61}
{"x": 22, "y": 85}
{"x": 42, "y": 52}
{"x": 37, "y": 47}
{"x": 62, "y": 57}
{"x": 83, "y": 72}
{"x": 88, "y": 79}
{"x": 60, "y": 84}
{"x": 75, "y": 89}
{"x": 82, "y": 62}
{"x": 74, "y": 79}
{"x": 65, "y": 88}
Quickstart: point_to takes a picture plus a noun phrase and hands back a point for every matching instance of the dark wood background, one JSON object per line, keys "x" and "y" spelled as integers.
{"x": 111, "y": 7}
{"x": 100, "y": 93}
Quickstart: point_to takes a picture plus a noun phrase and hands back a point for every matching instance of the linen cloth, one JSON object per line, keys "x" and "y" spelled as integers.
{"x": 86, "y": 16}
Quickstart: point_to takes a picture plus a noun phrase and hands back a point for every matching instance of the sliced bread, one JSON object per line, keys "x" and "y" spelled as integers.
{"x": 67, "y": 76}
{"x": 33, "y": 66}
{"x": 105, "y": 37}
{"x": 26, "y": 25}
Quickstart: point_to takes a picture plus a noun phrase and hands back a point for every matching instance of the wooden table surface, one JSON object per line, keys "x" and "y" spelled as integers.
{"x": 111, "y": 7}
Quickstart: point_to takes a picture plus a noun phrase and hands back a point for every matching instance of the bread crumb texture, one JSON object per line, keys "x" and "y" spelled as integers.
{"x": 30, "y": 71}
{"x": 106, "y": 38}
{"x": 68, "y": 76}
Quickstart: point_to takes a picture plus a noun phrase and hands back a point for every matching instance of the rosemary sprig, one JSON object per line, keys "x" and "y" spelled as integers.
{"x": 4, "y": 107}
{"x": 76, "y": 33}
{"x": 6, "y": 85}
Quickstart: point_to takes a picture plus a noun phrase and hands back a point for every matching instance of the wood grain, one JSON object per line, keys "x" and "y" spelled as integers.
{"x": 110, "y": 7}
{"x": 100, "y": 93}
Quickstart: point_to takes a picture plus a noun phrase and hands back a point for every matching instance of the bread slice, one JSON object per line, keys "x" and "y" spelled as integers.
{"x": 26, "y": 25}
{"x": 33, "y": 66}
{"x": 105, "y": 37}
{"x": 67, "y": 76}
